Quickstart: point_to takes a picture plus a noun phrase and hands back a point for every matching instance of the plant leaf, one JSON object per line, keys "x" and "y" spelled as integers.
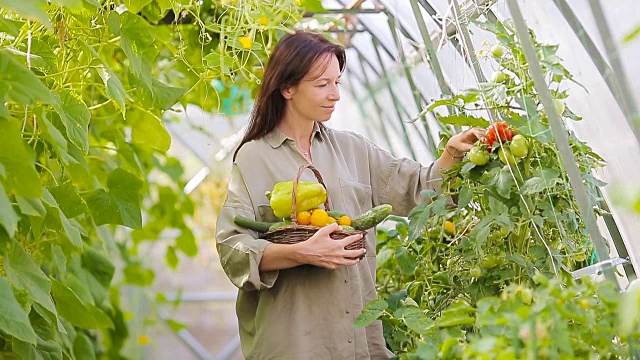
{"x": 21, "y": 176}
{"x": 121, "y": 204}
{"x": 13, "y": 320}
{"x": 370, "y": 313}
{"x": 8, "y": 217}
{"x": 136, "y": 5}
{"x": 464, "y": 198}
{"x": 504, "y": 182}
{"x": 137, "y": 42}
{"x": 419, "y": 219}
{"x": 32, "y": 9}
{"x": 312, "y": 5}
{"x": 68, "y": 200}
{"x": 72, "y": 232}
{"x": 162, "y": 96}
{"x": 71, "y": 4}
{"x": 406, "y": 260}
{"x": 147, "y": 130}
{"x": 83, "y": 348}
{"x": 415, "y": 319}
{"x": 171, "y": 257}
{"x": 71, "y": 308}
{"x": 26, "y": 275}
{"x": 463, "y": 120}
{"x": 115, "y": 90}
{"x": 45, "y": 349}
{"x": 18, "y": 83}
{"x": 31, "y": 206}
{"x": 75, "y": 117}
{"x": 98, "y": 265}
{"x": 547, "y": 179}
{"x": 186, "y": 243}
{"x": 10, "y": 26}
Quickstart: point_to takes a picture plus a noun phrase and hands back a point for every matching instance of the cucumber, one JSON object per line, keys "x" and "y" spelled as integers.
{"x": 371, "y": 218}
{"x": 261, "y": 227}
{"x": 336, "y": 214}
{"x": 347, "y": 228}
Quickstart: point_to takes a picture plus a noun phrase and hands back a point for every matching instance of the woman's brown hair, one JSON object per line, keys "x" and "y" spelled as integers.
{"x": 291, "y": 60}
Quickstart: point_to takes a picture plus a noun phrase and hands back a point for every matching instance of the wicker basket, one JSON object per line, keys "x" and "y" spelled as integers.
{"x": 295, "y": 233}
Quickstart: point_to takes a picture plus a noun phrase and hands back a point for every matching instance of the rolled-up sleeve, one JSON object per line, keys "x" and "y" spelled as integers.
{"x": 240, "y": 250}
{"x": 400, "y": 181}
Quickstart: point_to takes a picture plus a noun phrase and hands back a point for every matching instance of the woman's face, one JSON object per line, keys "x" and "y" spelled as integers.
{"x": 315, "y": 97}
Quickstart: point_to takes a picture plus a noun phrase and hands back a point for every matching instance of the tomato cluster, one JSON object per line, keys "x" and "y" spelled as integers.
{"x": 499, "y": 135}
{"x": 498, "y": 130}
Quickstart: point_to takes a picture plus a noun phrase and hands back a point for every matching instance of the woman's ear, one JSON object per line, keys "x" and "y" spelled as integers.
{"x": 287, "y": 92}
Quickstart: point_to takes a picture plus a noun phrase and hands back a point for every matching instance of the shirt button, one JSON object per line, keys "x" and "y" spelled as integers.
{"x": 350, "y": 341}
{"x": 348, "y": 312}
{"x": 346, "y": 281}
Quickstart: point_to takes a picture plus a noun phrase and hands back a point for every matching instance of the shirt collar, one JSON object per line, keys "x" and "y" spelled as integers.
{"x": 276, "y": 137}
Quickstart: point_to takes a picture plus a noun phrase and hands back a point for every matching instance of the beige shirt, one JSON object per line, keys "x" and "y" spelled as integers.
{"x": 307, "y": 312}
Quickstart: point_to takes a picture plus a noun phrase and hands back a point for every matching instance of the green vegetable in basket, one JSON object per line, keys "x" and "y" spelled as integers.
{"x": 372, "y": 217}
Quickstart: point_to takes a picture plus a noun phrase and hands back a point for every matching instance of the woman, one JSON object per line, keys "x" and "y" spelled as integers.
{"x": 299, "y": 301}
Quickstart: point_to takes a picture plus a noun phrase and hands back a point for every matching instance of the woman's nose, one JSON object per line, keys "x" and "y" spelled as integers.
{"x": 334, "y": 95}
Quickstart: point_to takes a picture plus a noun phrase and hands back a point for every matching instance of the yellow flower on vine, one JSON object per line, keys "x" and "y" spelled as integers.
{"x": 246, "y": 42}
{"x": 263, "y": 20}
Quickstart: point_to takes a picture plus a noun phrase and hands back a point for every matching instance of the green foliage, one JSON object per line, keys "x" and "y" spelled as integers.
{"x": 83, "y": 89}
{"x": 488, "y": 277}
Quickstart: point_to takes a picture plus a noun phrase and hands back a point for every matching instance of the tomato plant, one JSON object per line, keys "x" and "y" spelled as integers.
{"x": 492, "y": 288}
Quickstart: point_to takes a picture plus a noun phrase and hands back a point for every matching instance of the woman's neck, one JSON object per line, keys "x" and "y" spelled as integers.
{"x": 299, "y": 131}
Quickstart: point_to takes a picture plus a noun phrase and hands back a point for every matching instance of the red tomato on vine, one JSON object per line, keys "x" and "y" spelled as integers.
{"x": 498, "y": 130}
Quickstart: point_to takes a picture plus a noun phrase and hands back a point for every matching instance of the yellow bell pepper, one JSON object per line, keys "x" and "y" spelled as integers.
{"x": 309, "y": 195}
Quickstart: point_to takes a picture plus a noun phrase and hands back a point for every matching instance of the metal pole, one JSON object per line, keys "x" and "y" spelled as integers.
{"x": 366, "y": 82}
{"x": 394, "y": 99}
{"x": 430, "y": 50}
{"x": 414, "y": 90}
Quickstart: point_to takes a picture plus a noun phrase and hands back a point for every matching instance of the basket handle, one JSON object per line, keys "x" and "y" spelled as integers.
{"x": 294, "y": 212}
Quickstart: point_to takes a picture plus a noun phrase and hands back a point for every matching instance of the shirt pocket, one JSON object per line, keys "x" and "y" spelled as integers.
{"x": 356, "y": 197}
{"x": 265, "y": 212}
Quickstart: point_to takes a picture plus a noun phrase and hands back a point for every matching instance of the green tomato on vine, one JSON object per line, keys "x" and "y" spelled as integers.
{"x": 499, "y": 77}
{"x": 506, "y": 156}
{"x": 519, "y": 146}
{"x": 478, "y": 156}
{"x": 497, "y": 51}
